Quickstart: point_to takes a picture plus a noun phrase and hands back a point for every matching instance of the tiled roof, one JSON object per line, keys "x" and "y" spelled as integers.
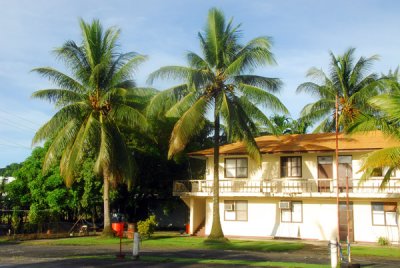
{"x": 300, "y": 143}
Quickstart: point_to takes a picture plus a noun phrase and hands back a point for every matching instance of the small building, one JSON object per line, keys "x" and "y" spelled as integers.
{"x": 293, "y": 194}
{"x": 5, "y": 180}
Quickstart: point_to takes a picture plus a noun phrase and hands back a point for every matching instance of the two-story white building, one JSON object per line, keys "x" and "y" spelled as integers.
{"x": 294, "y": 192}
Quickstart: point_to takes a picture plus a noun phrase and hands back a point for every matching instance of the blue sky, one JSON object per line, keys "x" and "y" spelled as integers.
{"x": 303, "y": 31}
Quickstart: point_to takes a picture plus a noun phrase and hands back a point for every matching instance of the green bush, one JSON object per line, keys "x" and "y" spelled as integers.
{"x": 383, "y": 241}
{"x": 146, "y": 227}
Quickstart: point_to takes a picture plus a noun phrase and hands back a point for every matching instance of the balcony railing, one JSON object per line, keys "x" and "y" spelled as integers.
{"x": 286, "y": 186}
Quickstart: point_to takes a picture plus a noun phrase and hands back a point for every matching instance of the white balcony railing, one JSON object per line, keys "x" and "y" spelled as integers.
{"x": 287, "y": 186}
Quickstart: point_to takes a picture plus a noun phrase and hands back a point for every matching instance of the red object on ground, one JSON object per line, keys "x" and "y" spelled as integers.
{"x": 187, "y": 228}
{"x": 118, "y": 227}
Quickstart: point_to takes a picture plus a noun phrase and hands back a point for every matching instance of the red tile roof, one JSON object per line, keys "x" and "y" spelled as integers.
{"x": 301, "y": 143}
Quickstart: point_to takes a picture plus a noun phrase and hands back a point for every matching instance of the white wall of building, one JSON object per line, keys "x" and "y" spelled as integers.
{"x": 319, "y": 221}
{"x": 270, "y": 166}
{"x": 264, "y": 219}
{"x": 364, "y": 230}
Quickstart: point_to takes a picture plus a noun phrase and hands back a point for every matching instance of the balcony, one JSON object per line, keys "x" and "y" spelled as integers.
{"x": 288, "y": 187}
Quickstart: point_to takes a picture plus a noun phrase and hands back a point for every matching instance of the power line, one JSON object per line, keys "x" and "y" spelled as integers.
{"x": 20, "y": 117}
{"x": 15, "y": 125}
{"x": 15, "y": 145}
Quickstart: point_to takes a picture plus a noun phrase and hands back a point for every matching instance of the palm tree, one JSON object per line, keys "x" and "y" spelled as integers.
{"x": 216, "y": 82}
{"x": 385, "y": 117}
{"x": 349, "y": 81}
{"x": 94, "y": 103}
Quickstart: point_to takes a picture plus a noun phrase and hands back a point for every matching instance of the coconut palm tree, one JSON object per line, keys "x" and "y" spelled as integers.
{"x": 216, "y": 82}
{"x": 347, "y": 79}
{"x": 385, "y": 117}
{"x": 94, "y": 102}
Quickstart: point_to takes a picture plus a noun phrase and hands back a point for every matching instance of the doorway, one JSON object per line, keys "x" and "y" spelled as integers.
{"x": 343, "y": 221}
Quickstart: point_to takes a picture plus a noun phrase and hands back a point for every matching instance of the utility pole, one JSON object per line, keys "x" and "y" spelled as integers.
{"x": 337, "y": 166}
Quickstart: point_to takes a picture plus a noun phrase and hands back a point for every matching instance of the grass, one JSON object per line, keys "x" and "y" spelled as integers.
{"x": 231, "y": 262}
{"x": 383, "y": 251}
{"x": 170, "y": 241}
{"x": 210, "y": 261}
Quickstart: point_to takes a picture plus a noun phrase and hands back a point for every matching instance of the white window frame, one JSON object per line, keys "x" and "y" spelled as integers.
{"x": 232, "y": 214}
{"x": 375, "y": 214}
{"x": 291, "y": 214}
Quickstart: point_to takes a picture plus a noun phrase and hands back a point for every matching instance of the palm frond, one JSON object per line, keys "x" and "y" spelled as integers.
{"x": 164, "y": 100}
{"x": 266, "y": 83}
{"x": 239, "y": 124}
{"x": 185, "y": 128}
{"x": 254, "y": 54}
{"x": 59, "y": 120}
{"x": 183, "y": 105}
{"x": 60, "y": 97}
{"x": 128, "y": 116}
{"x": 170, "y": 72}
{"x": 60, "y": 142}
{"x": 259, "y": 96}
{"x": 60, "y": 79}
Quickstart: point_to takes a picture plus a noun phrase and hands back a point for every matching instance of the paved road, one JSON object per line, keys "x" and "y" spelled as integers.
{"x": 22, "y": 255}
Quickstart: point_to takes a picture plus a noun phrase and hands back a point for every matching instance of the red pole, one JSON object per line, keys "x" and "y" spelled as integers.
{"x": 337, "y": 163}
{"x": 348, "y": 219}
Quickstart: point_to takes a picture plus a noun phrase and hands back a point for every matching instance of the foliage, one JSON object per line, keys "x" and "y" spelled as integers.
{"x": 386, "y": 118}
{"x": 347, "y": 79}
{"x": 95, "y": 102}
{"x": 43, "y": 194}
{"x": 9, "y": 170}
{"x": 15, "y": 220}
{"x": 383, "y": 241}
{"x": 147, "y": 227}
{"x": 286, "y": 125}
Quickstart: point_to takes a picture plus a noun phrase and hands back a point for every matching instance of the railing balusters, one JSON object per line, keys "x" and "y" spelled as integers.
{"x": 289, "y": 186}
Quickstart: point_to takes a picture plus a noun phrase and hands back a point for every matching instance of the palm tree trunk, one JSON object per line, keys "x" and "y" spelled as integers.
{"x": 107, "y": 231}
{"x": 216, "y": 229}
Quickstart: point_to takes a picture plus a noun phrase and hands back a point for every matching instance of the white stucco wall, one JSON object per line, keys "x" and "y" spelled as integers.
{"x": 270, "y": 166}
{"x": 365, "y": 231}
{"x": 319, "y": 221}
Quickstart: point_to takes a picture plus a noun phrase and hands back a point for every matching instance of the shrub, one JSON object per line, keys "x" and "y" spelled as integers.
{"x": 146, "y": 227}
{"x": 383, "y": 241}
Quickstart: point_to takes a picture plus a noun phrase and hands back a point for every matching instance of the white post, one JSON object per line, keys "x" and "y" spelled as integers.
{"x": 334, "y": 253}
{"x": 136, "y": 242}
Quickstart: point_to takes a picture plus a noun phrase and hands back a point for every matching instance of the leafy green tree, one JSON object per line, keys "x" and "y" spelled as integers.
{"x": 217, "y": 82}
{"x": 9, "y": 170}
{"x": 347, "y": 79}
{"x": 95, "y": 101}
{"x": 286, "y": 125}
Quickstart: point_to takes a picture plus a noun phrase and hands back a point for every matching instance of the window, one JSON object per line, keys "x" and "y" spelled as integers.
{"x": 235, "y": 210}
{"x": 292, "y": 214}
{"x": 290, "y": 166}
{"x": 380, "y": 172}
{"x": 325, "y": 167}
{"x": 236, "y": 167}
{"x": 384, "y": 213}
{"x": 377, "y": 172}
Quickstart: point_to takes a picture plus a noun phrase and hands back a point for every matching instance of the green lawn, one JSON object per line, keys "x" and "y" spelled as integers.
{"x": 209, "y": 261}
{"x": 170, "y": 240}
{"x": 383, "y": 251}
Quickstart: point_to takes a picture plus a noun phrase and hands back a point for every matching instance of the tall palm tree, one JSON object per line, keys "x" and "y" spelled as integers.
{"x": 216, "y": 82}
{"x": 385, "y": 117}
{"x": 94, "y": 103}
{"x": 347, "y": 79}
